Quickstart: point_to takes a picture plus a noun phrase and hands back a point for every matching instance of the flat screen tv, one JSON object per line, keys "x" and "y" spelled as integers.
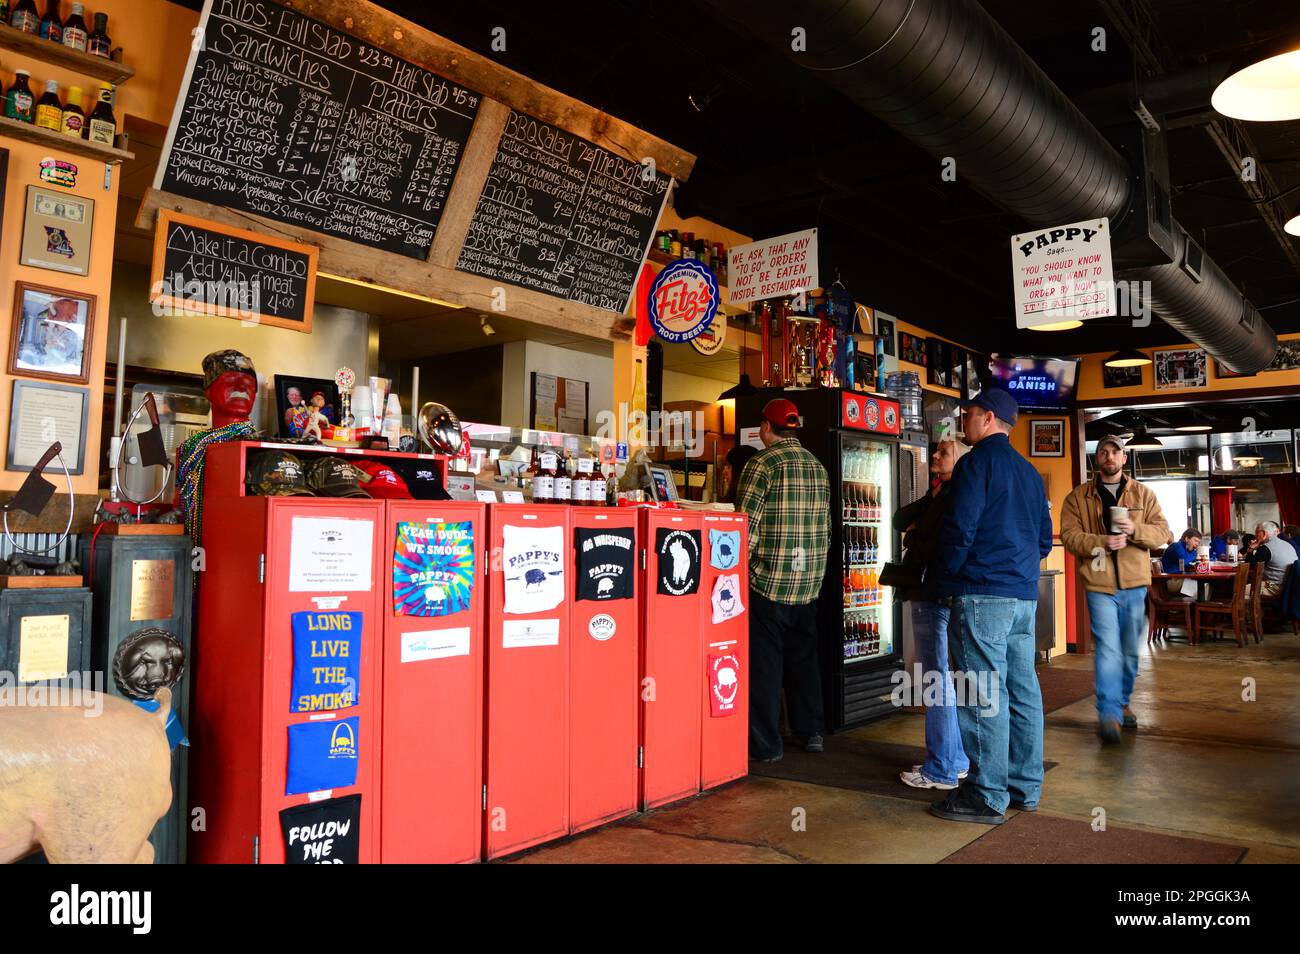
{"x": 1037, "y": 383}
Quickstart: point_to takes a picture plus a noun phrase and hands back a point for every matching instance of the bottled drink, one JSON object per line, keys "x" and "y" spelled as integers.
{"x": 101, "y": 127}
{"x": 563, "y": 482}
{"x": 544, "y": 482}
{"x": 20, "y": 104}
{"x": 25, "y": 17}
{"x": 4, "y": 12}
{"x": 49, "y": 111}
{"x": 611, "y": 487}
{"x": 51, "y": 26}
{"x": 75, "y": 33}
{"x": 98, "y": 43}
{"x": 73, "y": 121}
{"x": 587, "y": 495}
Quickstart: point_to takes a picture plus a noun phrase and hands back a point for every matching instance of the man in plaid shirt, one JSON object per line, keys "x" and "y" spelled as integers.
{"x": 786, "y": 494}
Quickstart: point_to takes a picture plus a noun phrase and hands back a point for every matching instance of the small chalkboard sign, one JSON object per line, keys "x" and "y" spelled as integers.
{"x": 562, "y": 216}
{"x": 213, "y": 269}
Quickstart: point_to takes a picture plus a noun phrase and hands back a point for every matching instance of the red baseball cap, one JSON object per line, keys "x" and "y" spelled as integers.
{"x": 782, "y": 413}
{"x": 381, "y": 481}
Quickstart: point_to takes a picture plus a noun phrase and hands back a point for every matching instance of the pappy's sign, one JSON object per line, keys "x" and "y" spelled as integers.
{"x": 1063, "y": 273}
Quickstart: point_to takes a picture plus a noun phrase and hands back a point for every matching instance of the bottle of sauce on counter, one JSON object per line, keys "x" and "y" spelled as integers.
{"x": 582, "y": 483}
{"x": 564, "y": 482}
{"x": 49, "y": 111}
{"x": 544, "y": 482}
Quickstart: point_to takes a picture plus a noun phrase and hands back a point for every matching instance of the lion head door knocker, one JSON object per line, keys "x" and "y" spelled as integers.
{"x": 150, "y": 452}
{"x": 32, "y": 497}
{"x": 146, "y": 661}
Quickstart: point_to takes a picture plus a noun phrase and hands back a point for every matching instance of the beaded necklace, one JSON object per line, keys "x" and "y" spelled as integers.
{"x": 189, "y": 470}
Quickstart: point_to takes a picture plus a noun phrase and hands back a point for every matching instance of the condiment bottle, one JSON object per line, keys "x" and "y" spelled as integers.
{"x": 25, "y": 17}
{"x": 101, "y": 127}
{"x": 20, "y": 104}
{"x": 98, "y": 43}
{"x": 75, "y": 33}
{"x": 544, "y": 482}
{"x": 49, "y": 111}
{"x": 51, "y": 25}
{"x": 73, "y": 121}
{"x": 564, "y": 482}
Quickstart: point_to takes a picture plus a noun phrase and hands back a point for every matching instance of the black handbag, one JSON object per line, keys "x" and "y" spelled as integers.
{"x": 901, "y": 574}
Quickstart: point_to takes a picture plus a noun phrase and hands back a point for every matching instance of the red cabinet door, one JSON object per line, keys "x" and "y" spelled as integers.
{"x": 527, "y": 735}
{"x": 432, "y": 769}
{"x": 671, "y": 670}
{"x": 724, "y": 746}
{"x": 604, "y": 699}
{"x": 320, "y": 556}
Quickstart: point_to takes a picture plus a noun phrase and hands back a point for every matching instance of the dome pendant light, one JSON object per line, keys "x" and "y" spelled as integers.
{"x": 1128, "y": 358}
{"x": 1266, "y": 90}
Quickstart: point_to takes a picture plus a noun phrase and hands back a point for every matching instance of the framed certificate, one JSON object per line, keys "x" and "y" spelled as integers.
{"x": 41, "y": 414}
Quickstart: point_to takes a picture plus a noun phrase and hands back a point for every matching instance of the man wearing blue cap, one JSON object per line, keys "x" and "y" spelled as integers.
{"x": 994, "y": 534}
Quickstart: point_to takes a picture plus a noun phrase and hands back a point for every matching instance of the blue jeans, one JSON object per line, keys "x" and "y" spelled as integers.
{"x": 944, "y": 756}
{"x": 1118, "y": 622}
{"x": 1002, "y": 727}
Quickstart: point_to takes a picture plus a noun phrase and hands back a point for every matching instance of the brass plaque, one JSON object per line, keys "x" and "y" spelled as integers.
{"x": 43, "y": 648}
{"x": 152, "y": 589}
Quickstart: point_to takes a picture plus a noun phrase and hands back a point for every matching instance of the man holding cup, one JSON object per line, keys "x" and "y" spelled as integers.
{"x": 1111, "y": 525}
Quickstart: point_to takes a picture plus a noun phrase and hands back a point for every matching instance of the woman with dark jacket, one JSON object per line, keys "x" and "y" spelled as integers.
{"x": 945, "y": 759}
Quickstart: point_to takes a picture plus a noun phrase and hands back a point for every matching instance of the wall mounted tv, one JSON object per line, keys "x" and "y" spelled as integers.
{"x": 1037, "y": 383}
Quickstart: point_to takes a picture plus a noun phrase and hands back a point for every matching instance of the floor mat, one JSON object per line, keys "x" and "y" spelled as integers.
{"x": 1041, "y": 839}
{"x": 1063, "y": 687}
{"x": 862, "y": 765}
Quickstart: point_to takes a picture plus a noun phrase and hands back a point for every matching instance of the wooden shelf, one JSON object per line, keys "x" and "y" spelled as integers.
{"x": 61, "y": 142}
{"x": 663, "y": 258}
{"x": 56, "y": 54}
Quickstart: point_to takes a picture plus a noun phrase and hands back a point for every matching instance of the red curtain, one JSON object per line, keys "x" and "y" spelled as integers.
{"x": 1220, "y": 510}
{"x": 1287, "y": 490}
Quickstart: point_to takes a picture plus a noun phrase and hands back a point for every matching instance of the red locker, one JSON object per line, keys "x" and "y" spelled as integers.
{"x": 725, "y": 650}
{"x": 603, "y": 689}
{"x": 432, "y": 767}
{"x": 671, "y": 667}
{"x": 527, "y": 732}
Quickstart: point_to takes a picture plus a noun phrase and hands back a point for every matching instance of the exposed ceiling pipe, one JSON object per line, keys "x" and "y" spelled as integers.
{"x": 946, "y": 76}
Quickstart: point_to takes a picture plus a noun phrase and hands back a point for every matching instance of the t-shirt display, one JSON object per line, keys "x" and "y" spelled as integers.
{"x": 679, "y": 561}
{"x": 532, "y": 561}
{"x": 323, "y": 833}
{"x": 605, "y": 563}
{"x": 726, "y": 598}
{"x": 433, "y": 568}
{"x": 323, "y": 755}
{"x": 326, "y": 661}
{"x": 724, "y": 549}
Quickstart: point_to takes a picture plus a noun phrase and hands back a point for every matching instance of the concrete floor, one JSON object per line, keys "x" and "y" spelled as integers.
{"x": 1205, "y": 764}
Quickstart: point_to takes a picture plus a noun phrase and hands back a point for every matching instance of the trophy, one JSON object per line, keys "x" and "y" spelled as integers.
{"x": 801, "y": 348}
{"x": 345, "y": 378}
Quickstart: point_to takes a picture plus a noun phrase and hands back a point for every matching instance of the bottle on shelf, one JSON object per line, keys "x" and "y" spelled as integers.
{"x": 75, "y": 33}
{"x": 24, "y": 17}
{"x": 98, "y": 43}
{"x": 20, "y": 103}
{"x": 49, "y": 111}
{"x": 73, "y": 121}
{"x": 544, "y": 482}
{"x": 675, "y": 244}
{"x": 51, "y": 26}
{"x": 101, "y": 127}
{"x": 582, "y": 483}
{"x": 611, "y": 487}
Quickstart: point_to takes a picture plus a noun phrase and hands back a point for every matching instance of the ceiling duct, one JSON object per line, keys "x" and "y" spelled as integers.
{"x": 946, "y": 76}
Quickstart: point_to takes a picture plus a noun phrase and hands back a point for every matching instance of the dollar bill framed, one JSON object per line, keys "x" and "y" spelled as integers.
{"x": 57, "y": 230}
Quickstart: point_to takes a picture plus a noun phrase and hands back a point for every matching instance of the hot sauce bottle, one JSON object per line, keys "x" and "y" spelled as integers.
{"x": 544, "y": 482}
{"x": 564, "y": 482}
{"x": 49, "y": 111}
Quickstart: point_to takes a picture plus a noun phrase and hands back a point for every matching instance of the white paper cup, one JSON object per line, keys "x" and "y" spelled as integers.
{"x": 1117, "y": 512}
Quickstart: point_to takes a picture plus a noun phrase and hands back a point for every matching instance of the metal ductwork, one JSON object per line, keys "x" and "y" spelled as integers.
{"x": 945, "y": 75}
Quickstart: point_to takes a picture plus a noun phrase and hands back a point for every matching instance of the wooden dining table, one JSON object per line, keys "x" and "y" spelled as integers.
{"x": 1217, "y": 573}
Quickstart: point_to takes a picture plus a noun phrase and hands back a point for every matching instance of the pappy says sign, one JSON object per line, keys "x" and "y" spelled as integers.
{"x": 773, "y": 267}
{"x": 1063, "y": 274}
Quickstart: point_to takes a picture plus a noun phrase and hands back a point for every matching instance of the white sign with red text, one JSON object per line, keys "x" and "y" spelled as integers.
{"x": 1063, "y": 273}
{"x": 772, "y": 268}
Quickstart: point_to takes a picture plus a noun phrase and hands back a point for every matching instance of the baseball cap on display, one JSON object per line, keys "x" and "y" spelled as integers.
{"x": 277, "y": 474}
{"x": 781, "y": 412}
{"x": 1000, "y": 402}
{"x": 332, "y": 477}
{"x": 381, "y": 481}
{"x": 424, "y": 483}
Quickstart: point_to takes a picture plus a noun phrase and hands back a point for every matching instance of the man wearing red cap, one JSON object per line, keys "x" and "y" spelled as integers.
{"x": 786, "y": 494}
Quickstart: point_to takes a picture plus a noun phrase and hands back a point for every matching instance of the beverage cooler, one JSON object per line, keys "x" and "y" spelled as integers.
{"x": 858, "y": 438}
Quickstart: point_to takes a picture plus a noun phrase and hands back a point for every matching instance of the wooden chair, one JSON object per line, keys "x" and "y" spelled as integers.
{"x": 1234, "y": 609}
{"x": 1164, "y": 608}
{"x": 1268, "y": 609}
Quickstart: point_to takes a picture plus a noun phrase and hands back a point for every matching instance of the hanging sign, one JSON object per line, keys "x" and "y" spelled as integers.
{"x": 683, "y": 300}
{"x": 1063, "y": 273}
{"x": 772, "y": 268}
{"x": 433, "y": 568}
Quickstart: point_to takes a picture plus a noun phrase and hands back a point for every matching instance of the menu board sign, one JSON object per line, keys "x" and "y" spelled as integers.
{"x": 562, "y": 216}
{"x": 286, "y": 117}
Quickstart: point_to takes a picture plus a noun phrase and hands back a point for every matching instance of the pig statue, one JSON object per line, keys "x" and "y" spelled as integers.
{"x": 84, "y": 787}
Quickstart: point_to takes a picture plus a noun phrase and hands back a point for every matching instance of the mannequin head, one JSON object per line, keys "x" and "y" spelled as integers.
{"x": 230, "y": 383}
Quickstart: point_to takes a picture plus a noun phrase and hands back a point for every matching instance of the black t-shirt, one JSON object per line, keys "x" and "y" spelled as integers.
{"x": 605, "y": 563}
{"x": 679, "y": 561}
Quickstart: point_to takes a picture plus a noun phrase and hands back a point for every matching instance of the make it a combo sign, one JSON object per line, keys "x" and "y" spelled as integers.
{"x": 206, "y": 268}
{"x": 683, "y": 300}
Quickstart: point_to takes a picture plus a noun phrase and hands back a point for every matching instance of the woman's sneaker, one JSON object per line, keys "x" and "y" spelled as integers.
{"x": 918, "y": 779}
{"x": 961, "y": 776}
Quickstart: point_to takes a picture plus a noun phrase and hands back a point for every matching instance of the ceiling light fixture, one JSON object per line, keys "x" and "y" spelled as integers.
{"x": 1265, "y": 90}
{"x": 1058, "y": 326}
{"x": 1142, "y": 440}
{"x": 1127, "y": 358}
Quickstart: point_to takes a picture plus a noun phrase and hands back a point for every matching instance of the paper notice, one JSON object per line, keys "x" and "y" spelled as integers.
{"x": 522, "y": 633}
{"x": 331, "y": 554}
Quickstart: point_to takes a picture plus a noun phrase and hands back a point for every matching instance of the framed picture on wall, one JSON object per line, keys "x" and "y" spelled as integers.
{"x": 1047, "y": 439}
{"x": 295, "y": 397}
{"x": 51, "y": 333}
{"x": 975, "y": 374}
{"x": 940, "y": 362}
{"x": 1121, "y": 377}
{"x": 42, "y": 413}
{"x": 56, "y": 231}
{"x": 1287, "y": 358}
{"x": 885, "y": 331}
{"x": 1179, "y": 369}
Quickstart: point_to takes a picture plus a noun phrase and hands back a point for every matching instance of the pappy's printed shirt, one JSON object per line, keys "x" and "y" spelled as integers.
{"x": 679, "y": 561}
{"x": 323, "y": 755}
{"x": 433, "y": 568}
{"x": 605, "y": 562}
{"x": 726, "y": 597}
{"x": 326, "y": 661}
{"x": 724, "y": 549}
{"x": 532, "y": 561}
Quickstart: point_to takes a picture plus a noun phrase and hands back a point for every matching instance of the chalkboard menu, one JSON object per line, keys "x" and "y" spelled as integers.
{"x": 288, "y": 118}
{"x": 562, "y": 216}
{"x": 210, "y": 268}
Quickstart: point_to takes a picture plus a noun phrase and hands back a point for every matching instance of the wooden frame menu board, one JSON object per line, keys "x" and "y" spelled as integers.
{"x": 237, "y": 273}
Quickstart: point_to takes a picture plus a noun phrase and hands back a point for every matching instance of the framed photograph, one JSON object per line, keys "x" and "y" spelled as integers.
{"x": 56, "y": 231}
{"x": 295, "y": 398}
{"x": 1176, "y": 370}
{"x": 42, "y": 413}
{"x": 1121, "y": 377}
{"x": 885, "y": 331}
{"x": 662, "y": 486}
{"x": 976, "y": 375}
{"x": 1047, "y": 439}
{"x": 940, "y": 362}
{"x": 957, "y": 368}
{"x": 51, "y": 333}
{"x": 1287, "y": 358}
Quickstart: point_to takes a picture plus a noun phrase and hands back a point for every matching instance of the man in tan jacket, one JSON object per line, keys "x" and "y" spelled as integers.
{"x": 1113, "y": 555}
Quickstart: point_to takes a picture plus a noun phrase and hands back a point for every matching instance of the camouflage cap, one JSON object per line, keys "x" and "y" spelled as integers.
{"x": 277, "y": 474}
{"x": 219, "y": 362}
{"x": 334, "y": 477}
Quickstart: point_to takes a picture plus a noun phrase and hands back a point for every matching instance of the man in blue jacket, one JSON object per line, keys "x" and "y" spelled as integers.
{"x": 994, "y": 534}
